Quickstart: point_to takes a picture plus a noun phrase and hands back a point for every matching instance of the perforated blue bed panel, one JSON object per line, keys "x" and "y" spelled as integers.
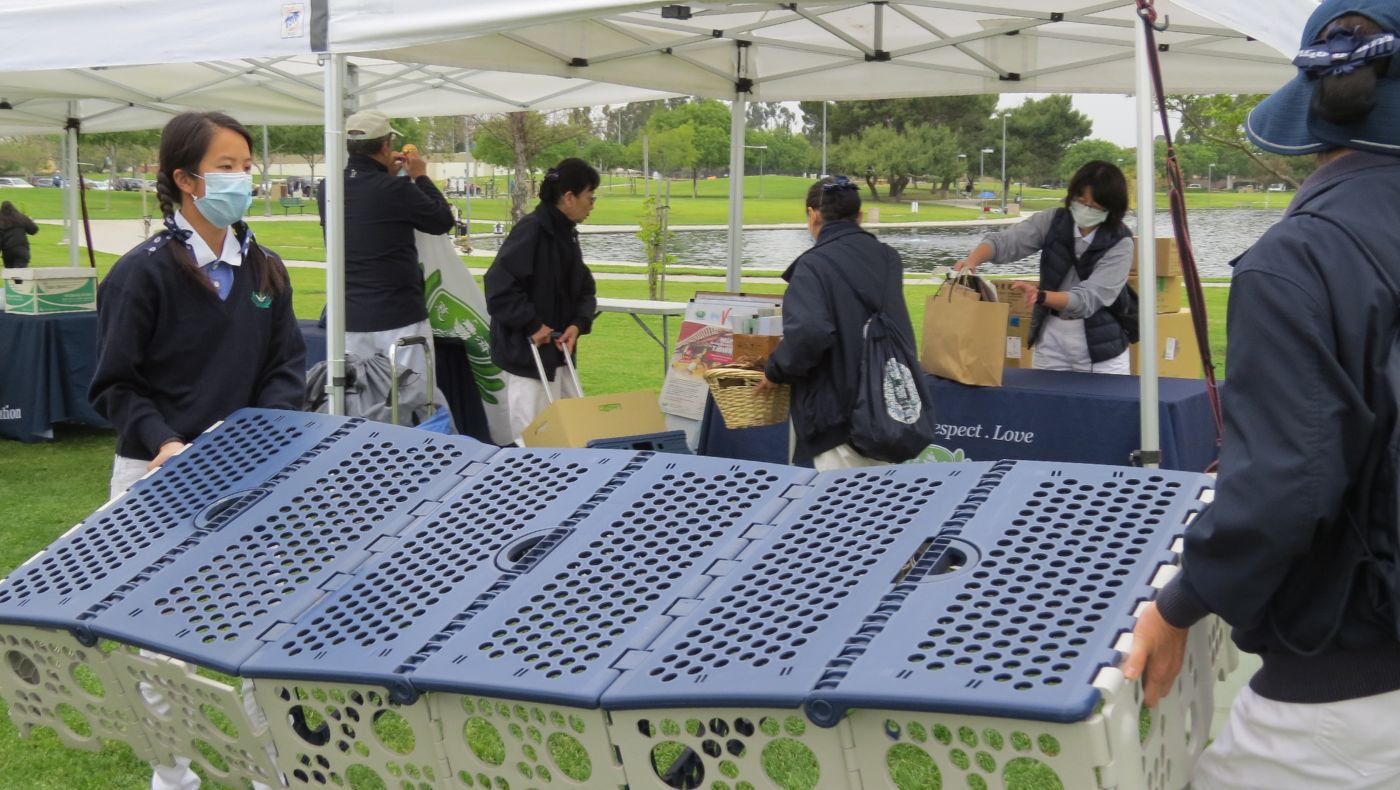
{"x": 644, "y": 554}
{"x": 114, "y": 545}
{"x": 1017, "y": 609}
{"x": 400, "y": 608}
{"x": 766, "y": 633}
{"x": 214, "y": 601}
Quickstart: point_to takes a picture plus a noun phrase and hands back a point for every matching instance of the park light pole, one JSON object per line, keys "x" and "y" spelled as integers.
{"x": 982, "y": 163}
{"x": 1210, "y": 176}
{"x": 761, "y": 149}
{"x": 823, "y": 173}
{"x": 1005, "y": 185}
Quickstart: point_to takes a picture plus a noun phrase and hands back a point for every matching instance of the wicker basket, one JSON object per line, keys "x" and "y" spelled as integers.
{"x": 733, "y": 390}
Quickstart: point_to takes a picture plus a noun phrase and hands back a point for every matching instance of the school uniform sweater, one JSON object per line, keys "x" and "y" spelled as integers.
{"x": 173, "y": 359}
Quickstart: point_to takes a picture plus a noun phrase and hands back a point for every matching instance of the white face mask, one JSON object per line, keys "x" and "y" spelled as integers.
{"x": 1085, "y": 216}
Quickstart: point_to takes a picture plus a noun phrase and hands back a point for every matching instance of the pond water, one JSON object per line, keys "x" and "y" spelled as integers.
{"x": 1219, "y": 235}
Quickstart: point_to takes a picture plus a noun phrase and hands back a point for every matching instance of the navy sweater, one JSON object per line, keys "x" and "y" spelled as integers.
{"x": 172, "y": 359}
{"x": 1310, "y": 325}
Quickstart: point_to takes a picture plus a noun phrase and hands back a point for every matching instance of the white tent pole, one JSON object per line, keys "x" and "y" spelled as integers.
{"x": 74, "y": 212}
{"x": 1147, "y": 256}
{"x": 266, "y": 178}
{"x": 335, "y": 231}
{"x": 737, "y": 112}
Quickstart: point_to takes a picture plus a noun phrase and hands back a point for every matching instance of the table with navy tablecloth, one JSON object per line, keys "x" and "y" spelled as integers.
{"x": 1036, "y": 415}
{"x": 46, "y": 364}
{"x": 1092, "y": 418}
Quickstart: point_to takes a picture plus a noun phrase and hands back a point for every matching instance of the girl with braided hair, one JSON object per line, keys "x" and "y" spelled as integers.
{"x": 195, "y": 322}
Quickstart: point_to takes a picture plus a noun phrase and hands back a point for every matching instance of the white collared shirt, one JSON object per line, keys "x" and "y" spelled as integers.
{"x": 232, "y": 253}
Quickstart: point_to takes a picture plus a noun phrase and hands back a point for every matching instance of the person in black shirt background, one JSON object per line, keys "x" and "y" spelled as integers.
{"x": 388, "y": 195}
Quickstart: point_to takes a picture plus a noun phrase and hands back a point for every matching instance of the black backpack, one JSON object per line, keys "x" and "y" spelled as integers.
{"x": 892, "y": 419}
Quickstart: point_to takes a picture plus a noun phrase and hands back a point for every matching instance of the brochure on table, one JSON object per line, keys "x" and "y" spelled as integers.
{"x": 706, "y": 341}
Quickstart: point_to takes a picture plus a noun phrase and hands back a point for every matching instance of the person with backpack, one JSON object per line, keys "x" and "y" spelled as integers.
{"x": 1084, "y": 310}
{"x": 858, "y": 398}
{"x": 1298, "y": 550}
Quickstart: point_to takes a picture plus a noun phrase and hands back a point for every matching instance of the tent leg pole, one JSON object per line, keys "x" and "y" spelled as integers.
{"x": 72, "y": 211}
{"x": 1147, "y": 256}
{"x": 738, "y": 112}
{"x": 335, "y": 231}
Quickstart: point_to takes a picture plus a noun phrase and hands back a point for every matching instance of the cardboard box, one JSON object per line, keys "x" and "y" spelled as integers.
{"x": 1168, "y": 257}
{"x": 1018, "y": 334}
{"x": 574, "y": 422}
{"x": 1013, "y": 298}
{"x": 50, "y": 289}
{"x": 1170, "y": 291}
{"x": 755, "y": 347}
{"x": 1178, "y": 355}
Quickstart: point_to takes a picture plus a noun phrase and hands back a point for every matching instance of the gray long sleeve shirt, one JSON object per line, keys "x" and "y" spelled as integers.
{"x": 1086, "y": 297}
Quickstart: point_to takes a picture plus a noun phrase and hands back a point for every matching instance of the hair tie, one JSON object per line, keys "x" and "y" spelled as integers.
{"x": 551, "y": 174}
{"x": 838, "y": 184}
{"x": 1342, "y": 52}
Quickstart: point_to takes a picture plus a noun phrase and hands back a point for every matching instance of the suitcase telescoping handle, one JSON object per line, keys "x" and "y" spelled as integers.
{"x": 404, "y": 342}
{"x": 568, "y": 362}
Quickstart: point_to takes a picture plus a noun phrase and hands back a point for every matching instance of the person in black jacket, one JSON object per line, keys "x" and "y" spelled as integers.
{"x": 388, "y": 195}
{"x": 1086, "y": 253}
{"x": 15, "y": 230}
{"x": 539, "y": 286}
{"x": 1306, "y": 493}
{"x": 824, "y": 322}
{"x": 195, "y": 322}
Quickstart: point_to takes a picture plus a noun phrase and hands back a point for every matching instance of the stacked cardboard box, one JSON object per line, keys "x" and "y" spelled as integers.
{"x": 1178, "y": 354}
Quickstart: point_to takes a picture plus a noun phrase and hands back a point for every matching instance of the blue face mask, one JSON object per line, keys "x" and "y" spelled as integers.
{"x": 227, "y": 197}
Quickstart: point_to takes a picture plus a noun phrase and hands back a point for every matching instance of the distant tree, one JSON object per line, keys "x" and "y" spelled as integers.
{"x": 28, "y": 155}
{"x": 1085, "y": 151}
{"x": 899, "y": 157}
{"x": 709, "y": 121}
{"x": 522, "y": 140}
{"x": 787, "y": 153}
{"x": 1038, "y": 133}
{"x": 1218, "y": 120}
{"x": 307, "y": 142}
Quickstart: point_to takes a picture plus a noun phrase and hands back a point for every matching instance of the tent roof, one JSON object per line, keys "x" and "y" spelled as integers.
{"x": 132, "y": 71}
{"x": 850, "y": 49}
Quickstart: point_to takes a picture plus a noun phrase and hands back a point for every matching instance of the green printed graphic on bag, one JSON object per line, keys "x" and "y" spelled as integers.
{"x": 450, "y": 317}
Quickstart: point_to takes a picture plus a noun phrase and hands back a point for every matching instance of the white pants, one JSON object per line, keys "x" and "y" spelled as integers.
{"x": 1063, "y": 346}
{"x": 125, "y": 473}
{"x": 178, "y": 775}
{"x": 1351, "y": 745}
{"x": 842, "y": 456}
{"x": 367, "y": 344}
{"x": 525, "y": 397}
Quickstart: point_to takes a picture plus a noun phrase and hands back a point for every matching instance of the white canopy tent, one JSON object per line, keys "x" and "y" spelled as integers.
{"x": 741, "y": 51}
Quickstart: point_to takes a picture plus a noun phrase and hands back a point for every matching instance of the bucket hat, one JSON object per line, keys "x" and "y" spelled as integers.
{"x": 1283, "y": 123}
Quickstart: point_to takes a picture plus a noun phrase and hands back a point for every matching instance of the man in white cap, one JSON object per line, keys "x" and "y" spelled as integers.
{"x": 388, "y": 196}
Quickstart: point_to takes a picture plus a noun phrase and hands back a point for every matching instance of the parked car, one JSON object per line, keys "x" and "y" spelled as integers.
{"x": 1277, "y": 188}
{"x": 42, "y": 181}
{"x": 132, "y": 184}
{"x": 91, "y": 183}
{"x": 9, "y": 182}
{"x": 1194, "y": 186}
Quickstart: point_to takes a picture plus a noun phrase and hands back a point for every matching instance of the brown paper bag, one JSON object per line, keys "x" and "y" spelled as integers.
{"x": 965, "y": 340}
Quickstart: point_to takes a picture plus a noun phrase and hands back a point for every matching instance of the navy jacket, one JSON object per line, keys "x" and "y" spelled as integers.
{"x": 1276, "y": 556}
{"x": 173, "y": 359}
{"x": 823, "y": 324}
{"x": 383, "y": 276}
{"x": 1105, "y": 336}
{"x": 538, "y": 279}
